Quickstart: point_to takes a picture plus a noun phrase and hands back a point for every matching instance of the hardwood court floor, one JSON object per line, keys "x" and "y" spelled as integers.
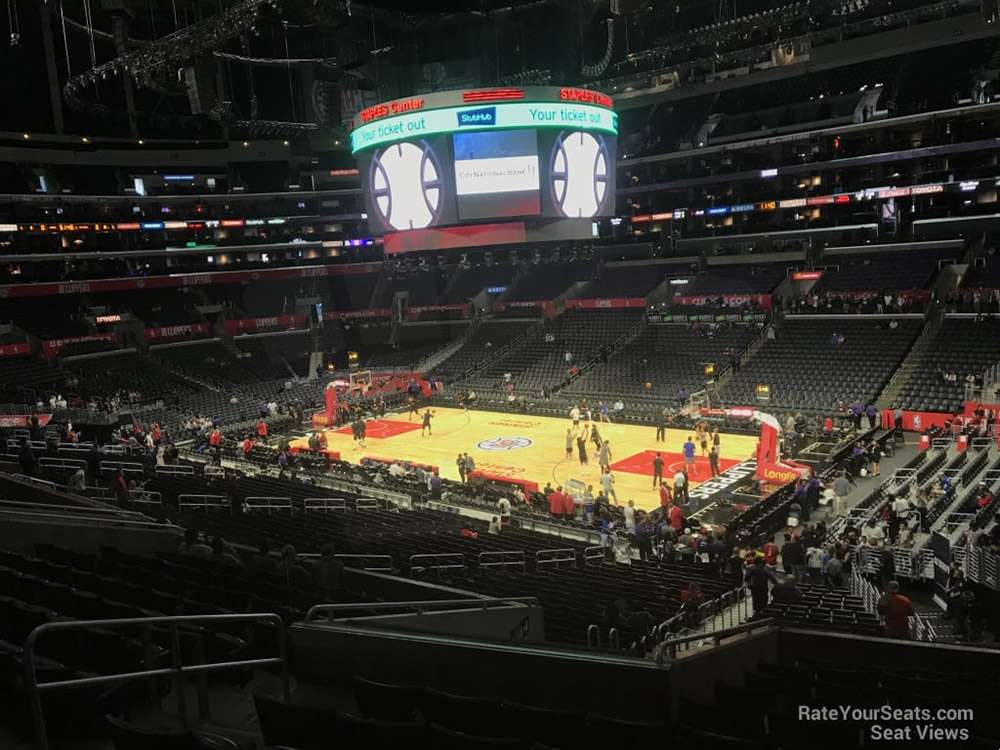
{"x": 534, "y": 448}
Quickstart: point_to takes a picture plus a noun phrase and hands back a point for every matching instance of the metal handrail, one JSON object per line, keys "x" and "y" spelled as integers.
{"x": 269, "y": 503}
{"x": 505, "y": 559}
{"x": 206, "y": 501}
{"x": 438, "y": 558}
{"x": 179, "y": 470}
{"x": 324, "y": 503}
{"x": 348, "y": 559}
{"x": 100, "y": 519}
{"x": 548, "y": 556}
{"x": 36, "y": 480}
{"x": 177, "y": 670}
{"x": 716, "y": 636}
{"x": 421, "y": 606}
{"x": 78, "y": 508}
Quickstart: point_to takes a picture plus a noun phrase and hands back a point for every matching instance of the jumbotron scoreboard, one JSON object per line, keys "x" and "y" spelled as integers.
{"x": 485, "y": 167}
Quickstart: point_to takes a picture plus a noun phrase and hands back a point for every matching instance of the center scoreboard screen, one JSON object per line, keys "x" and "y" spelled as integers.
{"x": 523, "y": 160}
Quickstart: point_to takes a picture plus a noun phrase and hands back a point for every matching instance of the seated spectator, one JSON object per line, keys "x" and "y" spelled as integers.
{"x": 194, "y": 545}
{"x": 786, "y": 591}
{"x": 329, "y": 571}
{"x": 221, "y": 553}
{"x": 262, "y": 562}
{"x": 293, "y": 574}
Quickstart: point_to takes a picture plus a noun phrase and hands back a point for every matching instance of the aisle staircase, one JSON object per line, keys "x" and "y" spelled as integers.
{"x": 902, "y": 374}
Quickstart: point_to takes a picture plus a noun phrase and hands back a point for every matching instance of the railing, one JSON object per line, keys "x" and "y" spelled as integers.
{"x": 554, "y": 557}
{"x": 920, "y": 628}
{"x": 374, "y": 563}
{"x": 146, "y": 497}
{"x": 594, "y": 555}
{"x": 366, "y": 503}
{"x": 418, "y": 607}
{"x": 127, "y": 468}
{"x": 177, "y": 670}
{"x": 203, "y": 501}
{"x": 49, "y": 462}
{"x": 669, "y": 649}
{"x": 269, "y": 503}
{"x": 443, "y": 561}
{"x": 864, "y": 589}
{"x": 47, "y": 512}
{"x": 733, "y": 605}
{"x": 511, "y": 559}
{"x": 324, "y": 503}
{"x": 36, "y": 480}
{"x": 174, "y": 470}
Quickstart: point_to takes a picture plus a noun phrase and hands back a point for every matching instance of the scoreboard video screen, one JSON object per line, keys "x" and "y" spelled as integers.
{"x": 460, "y": 158}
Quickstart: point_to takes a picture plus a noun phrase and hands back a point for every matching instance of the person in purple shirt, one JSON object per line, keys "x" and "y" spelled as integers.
{"x": 872, "y": 413}
{"x": 856, "y": 411}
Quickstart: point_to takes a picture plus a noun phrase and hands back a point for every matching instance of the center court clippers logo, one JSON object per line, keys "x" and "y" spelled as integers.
{"x": 503, "y": 444}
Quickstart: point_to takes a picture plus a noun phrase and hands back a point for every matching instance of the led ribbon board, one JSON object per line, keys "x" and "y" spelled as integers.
{"x": 506, "y": 116}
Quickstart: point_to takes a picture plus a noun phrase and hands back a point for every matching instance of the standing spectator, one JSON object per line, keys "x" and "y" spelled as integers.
{"x": 26, "y": 457}
{"x": 666, "y": 496}
{"x": 681, "y": 487}
{"x": 120, "y": 489}
{"x": 691, "y": 599}
{"x": 676, "y": 518}
{"x": 793, "y": 556}
{"x": 841, "y": 489}
{"x": 629, "y": 513}
{"x": 460, "y": 462}
{"x": 608, "y": 485}
{"x": 815, "y": 561}
{"x": 262, "y": 430}
{"x": 757, "y": 579}
{"x": 494, "y": 526}
{"x": 434, "y": 483}
{"x": 657, "y": 470}
{"x": 896, "y": 611}
{"x": 871, "y": 411}
{"x": 856, "y": 409}
{"x": 503, "y": 508}
{"x": 833, "y": 570}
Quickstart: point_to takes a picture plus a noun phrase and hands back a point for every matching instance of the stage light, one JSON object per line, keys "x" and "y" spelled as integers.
{"x": 27, "y": 136}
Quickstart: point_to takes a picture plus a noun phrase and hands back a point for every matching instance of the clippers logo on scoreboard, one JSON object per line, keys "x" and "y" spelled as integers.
{"x": 579, "y": 174}
{"x": 406, "y": 185}
{"x": 504, "y": 444}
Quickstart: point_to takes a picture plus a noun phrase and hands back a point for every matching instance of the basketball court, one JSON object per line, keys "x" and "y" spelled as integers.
{"x": 533, "y": 448}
